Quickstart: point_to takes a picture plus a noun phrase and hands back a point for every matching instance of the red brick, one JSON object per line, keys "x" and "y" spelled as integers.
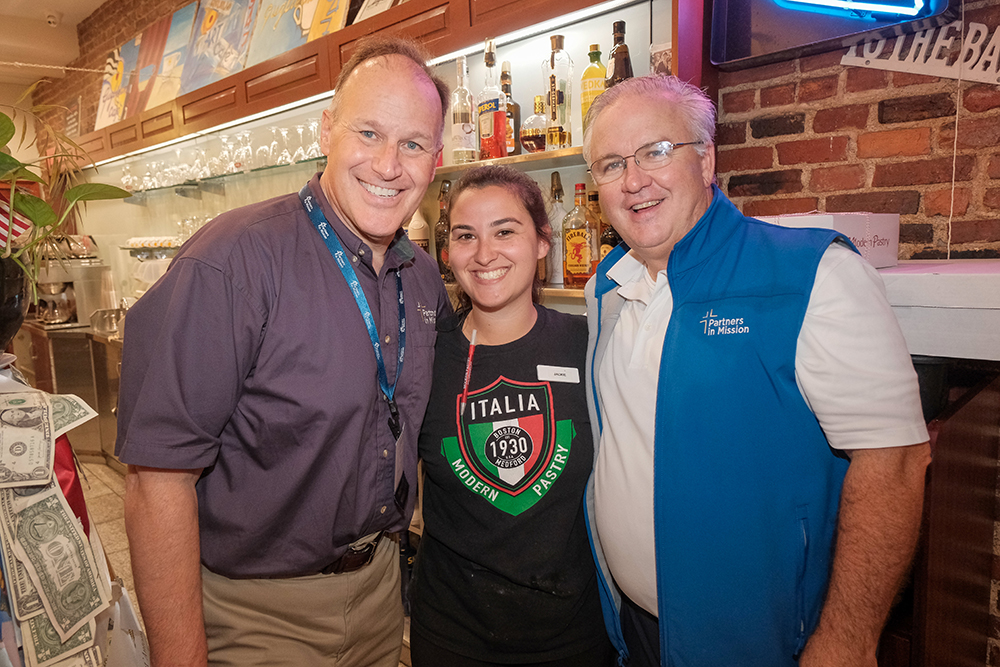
{"x": 820, "y": 88}
{"x": 839, "y": 118}
{"x": 843, "y": 177}
{"x": 860, "y": 79}
{"x": 981, "y": 98}
{"x": 969, "y": 231}
{"x": 777, "y": 95}
{"x": 923, "y": 172}
{"x": 938, "y": 202}
{"x": 903, "y": 79}
{"x": 742, "y": 100}
{"x": 765, "y": 183}
{"x": 904, "y": 202}
{"x": 745, "y": 159}
{"x": 892, "y": 143}
{"x": 916, "y": 233}
{"x": 991, "y": 198}
{"x": 993, "y": 171}
{"x": 828, "y": 149}
{"x": 727, "y": 134}
{"x": 821, "y": 61}
{"x": 772, "y": 206}
{"x": 976, "y": 133}
{"x": 754, "y": 74}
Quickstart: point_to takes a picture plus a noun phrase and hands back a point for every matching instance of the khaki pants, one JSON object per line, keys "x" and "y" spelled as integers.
{"x": 337, "y": 620}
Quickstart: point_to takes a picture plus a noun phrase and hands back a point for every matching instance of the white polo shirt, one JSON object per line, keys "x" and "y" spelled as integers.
{"x": 851, "y": 365}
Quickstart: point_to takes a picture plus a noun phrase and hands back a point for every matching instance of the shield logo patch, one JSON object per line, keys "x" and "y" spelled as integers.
{"x": 507, "y": 433}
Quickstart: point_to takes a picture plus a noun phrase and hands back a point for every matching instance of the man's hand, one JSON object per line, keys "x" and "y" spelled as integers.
{"x": 161, "y": 519}
{"x": 877, "y": 530}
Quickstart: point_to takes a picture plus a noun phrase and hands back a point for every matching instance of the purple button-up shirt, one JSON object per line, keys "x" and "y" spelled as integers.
{"x": 250, "y": 359}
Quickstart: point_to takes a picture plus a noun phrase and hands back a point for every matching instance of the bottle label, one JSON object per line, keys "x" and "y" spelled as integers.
{"x": 591, "y": 88}
{"x": 511, "y": 145}
{"x": 463, "y": 136}
{"x": 578, "y": 251}
{"x": 487, "y": 110}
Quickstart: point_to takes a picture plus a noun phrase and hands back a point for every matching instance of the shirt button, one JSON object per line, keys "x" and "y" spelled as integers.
{"x": 362, "y": 252}
{"x": 385, "y": 453}
{"x": 387, "y": 338}
{"x": 355, "y": 259}
{"x": 382, "y": 511}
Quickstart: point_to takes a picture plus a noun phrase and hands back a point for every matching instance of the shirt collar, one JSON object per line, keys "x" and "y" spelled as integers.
{"x": 400, "y": 250}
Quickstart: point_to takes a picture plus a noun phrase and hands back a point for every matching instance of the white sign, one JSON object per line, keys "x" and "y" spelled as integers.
{"x": 940, "y": 51}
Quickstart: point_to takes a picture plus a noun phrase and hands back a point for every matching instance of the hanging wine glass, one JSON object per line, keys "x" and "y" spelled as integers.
{"x": 285, "y": 157}
{"x": 128, "y": 180}
{"x": 300, "y": 152}
{"x": 314, "y": 150}
{"x": 273, "y": 150}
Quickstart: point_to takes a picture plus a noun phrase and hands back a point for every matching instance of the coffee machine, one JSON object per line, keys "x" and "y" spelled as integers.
{"x": 72, "y": 287}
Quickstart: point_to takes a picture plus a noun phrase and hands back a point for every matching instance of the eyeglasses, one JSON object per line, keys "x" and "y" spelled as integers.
{"x": 649, "y": 157}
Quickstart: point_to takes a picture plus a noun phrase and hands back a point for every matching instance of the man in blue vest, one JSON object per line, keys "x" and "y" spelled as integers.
{"x": 758, "y": 484}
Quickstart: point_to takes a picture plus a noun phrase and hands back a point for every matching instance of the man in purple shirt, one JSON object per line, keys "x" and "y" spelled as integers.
{"x": 273, "y": 383}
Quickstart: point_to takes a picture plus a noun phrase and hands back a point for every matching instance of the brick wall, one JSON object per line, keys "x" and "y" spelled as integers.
{"x": 111, "y": 25}
{"x": 811, "y": 134}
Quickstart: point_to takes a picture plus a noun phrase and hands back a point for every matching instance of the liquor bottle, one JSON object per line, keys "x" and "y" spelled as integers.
{"x": 513, "y": 112}
{"x": 579, "y": 242}
{"x": 492, "y": 106}
{"x": 441, "y": 232}
{"x": 592, "y": 82}
{"x": 619, "y": 62}
{"x": 609, "y": 239}
{"x": 418, "y": 231}
{"x": 594, "y": 204}
{"x": 463, "y": 126}
{"x": 557, "y": 71}
{"x": 557, "y": 211}
{"x": 534, "y": 128}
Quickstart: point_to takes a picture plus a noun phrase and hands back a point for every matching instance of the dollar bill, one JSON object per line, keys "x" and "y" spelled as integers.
{"x": 27, "y": 440}
{"x": 23, "y": 594}
{"x": 68, "y": 412}
{"x": 44, "y": 647}
{"x": 50, "y": 542}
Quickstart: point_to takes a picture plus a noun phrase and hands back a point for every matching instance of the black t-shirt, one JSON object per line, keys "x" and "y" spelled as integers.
{"x": 505, "y": 572}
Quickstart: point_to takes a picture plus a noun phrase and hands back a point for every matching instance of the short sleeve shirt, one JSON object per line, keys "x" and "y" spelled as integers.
{"x": 250, "y": 359}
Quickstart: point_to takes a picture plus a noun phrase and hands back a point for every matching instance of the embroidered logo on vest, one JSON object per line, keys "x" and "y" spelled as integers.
{"x": 510, "y": 450}
{"x": 713, "y": 325}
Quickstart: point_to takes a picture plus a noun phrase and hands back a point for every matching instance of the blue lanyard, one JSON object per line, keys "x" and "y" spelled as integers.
{"x": 333, "y": 244}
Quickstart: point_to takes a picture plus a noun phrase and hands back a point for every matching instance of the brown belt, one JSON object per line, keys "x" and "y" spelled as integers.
{"x": 355, "y": 558}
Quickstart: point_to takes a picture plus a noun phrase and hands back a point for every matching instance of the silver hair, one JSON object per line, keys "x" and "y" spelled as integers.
{"x": 693, "y": 104}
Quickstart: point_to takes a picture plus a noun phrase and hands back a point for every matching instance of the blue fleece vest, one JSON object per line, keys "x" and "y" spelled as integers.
{"x": 746, "y": 487}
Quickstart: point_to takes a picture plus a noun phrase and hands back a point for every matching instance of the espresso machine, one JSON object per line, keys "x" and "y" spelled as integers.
{"x": 72, "y": 287}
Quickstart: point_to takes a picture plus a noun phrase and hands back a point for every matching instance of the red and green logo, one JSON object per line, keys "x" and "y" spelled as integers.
{"x": 510, "y": 450}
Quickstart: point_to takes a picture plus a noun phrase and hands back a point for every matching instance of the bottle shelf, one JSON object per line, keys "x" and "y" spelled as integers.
{"x": 524, "y": 162}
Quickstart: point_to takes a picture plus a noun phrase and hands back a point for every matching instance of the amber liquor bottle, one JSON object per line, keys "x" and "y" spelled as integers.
{"x": 441, "y": 232}
{"x": 513, "y": 112}
{"x": 619, "y": 62}
{"x": 579, "y": 242}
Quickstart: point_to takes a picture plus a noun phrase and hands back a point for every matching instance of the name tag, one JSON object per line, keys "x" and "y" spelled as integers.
{"x": 559, "y": 374}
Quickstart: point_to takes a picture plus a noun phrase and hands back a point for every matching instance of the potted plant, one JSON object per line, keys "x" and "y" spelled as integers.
{"x": 33, "y": 228}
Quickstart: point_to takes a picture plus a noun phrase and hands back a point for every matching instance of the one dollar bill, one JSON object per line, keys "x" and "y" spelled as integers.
{"x": 68, "y": 412}
{"x": 44, "y": 647}
{"x": 27, "y": 439}
{"x": 50, "y": 542}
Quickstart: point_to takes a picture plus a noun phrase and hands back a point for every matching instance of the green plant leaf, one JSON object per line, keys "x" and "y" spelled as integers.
{"x": 94, "y": 192}
{"x": 7, "y": 129}
{"x": 25, "y": 175}
{"x": 35, "y": 209}
{"x": 8, "y": 165}
{"x": 28, "y": 91}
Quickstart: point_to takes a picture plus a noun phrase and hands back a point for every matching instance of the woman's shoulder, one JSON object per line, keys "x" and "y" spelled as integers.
{"x": 573, "y": 325}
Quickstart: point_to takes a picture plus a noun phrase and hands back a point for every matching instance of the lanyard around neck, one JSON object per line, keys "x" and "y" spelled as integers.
{"x": 319, "y": 221}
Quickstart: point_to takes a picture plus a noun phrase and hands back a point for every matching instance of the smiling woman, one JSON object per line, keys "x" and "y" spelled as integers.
{"x": 504, "y": 573}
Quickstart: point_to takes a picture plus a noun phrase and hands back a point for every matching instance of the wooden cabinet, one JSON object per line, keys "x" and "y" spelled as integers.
{"x": 442, "y": 26}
